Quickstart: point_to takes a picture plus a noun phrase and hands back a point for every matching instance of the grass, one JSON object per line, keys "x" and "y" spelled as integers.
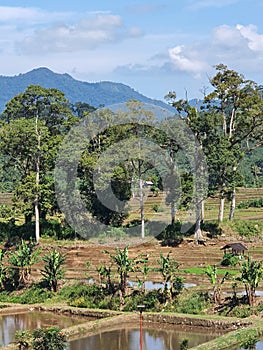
{"x": 201, "y": 271}
{"x": 231, "y": 340}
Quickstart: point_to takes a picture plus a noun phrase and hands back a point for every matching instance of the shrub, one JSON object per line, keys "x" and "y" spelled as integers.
{"x": 151, "y": 300}
{"x": 251, "y": 203}
{"x": 213, "y": 229}
{"x": 192, "y": 303}
{"x": 229, "y": 260}
{"x": 84, "y": 295}
{"x": 50, "y": 338}
{"x": 248, "y": 229}
{"x": 155, "y": 207}
{"x": 34, "y": 295}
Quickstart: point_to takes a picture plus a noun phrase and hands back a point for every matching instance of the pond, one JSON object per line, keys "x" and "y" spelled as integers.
{"x": 155, "y": 337}
{"x": 9, "y": 324}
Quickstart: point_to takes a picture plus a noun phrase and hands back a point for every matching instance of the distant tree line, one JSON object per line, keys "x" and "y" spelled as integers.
{"x": 228, "y": 129}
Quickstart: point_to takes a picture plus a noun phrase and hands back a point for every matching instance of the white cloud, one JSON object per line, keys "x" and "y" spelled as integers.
{"x": 184, "y": 61}
{"x": 255, "y": 40}
{"x": 85, "y": 34}
{"x": 226, "y": 36}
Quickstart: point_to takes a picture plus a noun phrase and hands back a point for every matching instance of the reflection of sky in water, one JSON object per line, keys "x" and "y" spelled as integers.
{"x": 149, "y": 342}
{"x": 128, "y": 338}
{"x": 9, "y": 324}
{"x": 149, "y": 285}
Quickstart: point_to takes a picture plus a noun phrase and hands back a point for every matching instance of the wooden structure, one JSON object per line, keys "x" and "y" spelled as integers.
{"x": 234, "y": 248}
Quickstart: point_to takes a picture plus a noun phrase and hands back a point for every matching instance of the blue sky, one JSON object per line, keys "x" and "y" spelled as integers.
{"x": 153, "y": 46}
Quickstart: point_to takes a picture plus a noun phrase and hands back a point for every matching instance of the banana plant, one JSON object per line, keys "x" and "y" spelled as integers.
{"x": 167, "y": 267}
{"x": 53, "y": 272}
{"x": 21, "y": 261}
{"x": 251, "y": 275}
{"x": 212, "y": 273}
{"x": 124, "y": 266}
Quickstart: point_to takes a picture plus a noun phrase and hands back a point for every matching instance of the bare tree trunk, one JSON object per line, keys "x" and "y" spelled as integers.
{"x": 142, "y": 209}
{"x": 233, "y": 204}
{"x": 221, "y": 207}
{"x": 173, "y": 212}
{"x": 36, "y": 200}
{"x": 198, "y": 233}
{"x": 202, "y": 210}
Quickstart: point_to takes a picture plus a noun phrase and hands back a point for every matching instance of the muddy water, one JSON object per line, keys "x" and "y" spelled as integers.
{"x": 154, "y": 338}
{"x": 9, "y": 324}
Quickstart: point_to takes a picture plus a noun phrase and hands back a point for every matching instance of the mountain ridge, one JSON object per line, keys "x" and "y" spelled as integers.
{"x": 104, "y": 93}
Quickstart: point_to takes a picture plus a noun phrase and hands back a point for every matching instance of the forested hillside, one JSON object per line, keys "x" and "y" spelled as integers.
{"x": 96, "y": 94}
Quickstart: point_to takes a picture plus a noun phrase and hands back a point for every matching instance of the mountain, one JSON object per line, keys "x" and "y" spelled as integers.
{"x": 101, "y": 93}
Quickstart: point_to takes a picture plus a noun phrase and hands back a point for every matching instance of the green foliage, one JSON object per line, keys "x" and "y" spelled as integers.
{"x": 212, "y": 273}
{"x": 172, "y": 234}
{"x": 34, "y": 294}
{"x": 184, "y": 344}
{"x": 152, "y": 301}
{"x": 251, "y": 275}
{"x": 248, "y": 229}
{"x": 229, "y": 260}
{"x": 85, "y": 295}
{"x": 51, "y": 338}
{"x": 125, "y": 265}
{"x": 24, "y": 339}
{"x": 6, "y": 211}
{"x": 155, "y": 207}
{"x": 22, "y": 260}
{"x": 53, "y": 272}
{"x": 212, "y": 228}
{"x": 239, "y": 310}
{"x": 192, "y": 303}
{"x": 168, "y": 267}
{"x": 3, "y": 269}
{"x": 251, "y": 203}
{"x": 250, "y": 341}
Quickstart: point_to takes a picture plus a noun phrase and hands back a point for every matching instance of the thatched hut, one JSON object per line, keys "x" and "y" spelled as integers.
{"x": 234, "y": 248}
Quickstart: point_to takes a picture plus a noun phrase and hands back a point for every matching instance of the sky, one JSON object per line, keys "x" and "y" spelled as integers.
{"x": 153, "y": 46}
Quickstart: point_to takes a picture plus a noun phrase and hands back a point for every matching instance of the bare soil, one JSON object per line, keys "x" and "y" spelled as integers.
{"x": 187, "y": 254}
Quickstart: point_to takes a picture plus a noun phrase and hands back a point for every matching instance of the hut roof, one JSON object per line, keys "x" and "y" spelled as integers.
{"x": 235, "y": 246}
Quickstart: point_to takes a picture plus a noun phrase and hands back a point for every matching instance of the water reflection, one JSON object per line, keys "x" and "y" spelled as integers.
{"x": 150, "y": 285}
{"x": 9, "y": 324}
{"x": 154, "y": 338}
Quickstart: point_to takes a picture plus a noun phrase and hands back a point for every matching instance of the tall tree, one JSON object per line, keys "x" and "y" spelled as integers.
{"x": 194, "y": 129}
{"x": 140, "y": 119}
{"x": 228, "y": 126}
{"x": 40, "y": 114}
{"x": 239, "y": 105}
